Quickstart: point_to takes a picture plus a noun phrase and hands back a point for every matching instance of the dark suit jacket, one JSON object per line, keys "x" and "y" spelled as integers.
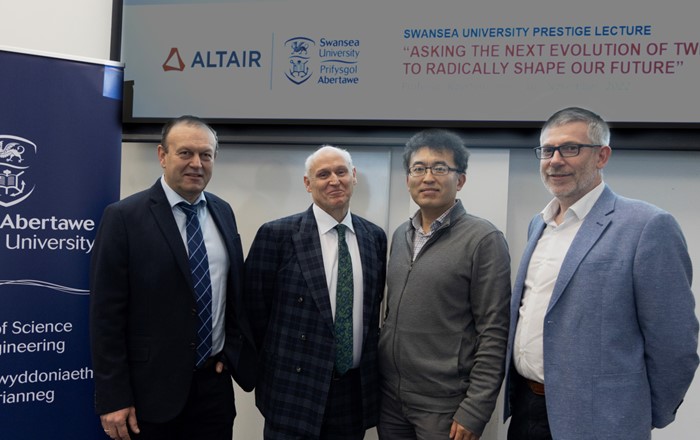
{"x": 290, "y": 310}
{"x": 143, "y": 324}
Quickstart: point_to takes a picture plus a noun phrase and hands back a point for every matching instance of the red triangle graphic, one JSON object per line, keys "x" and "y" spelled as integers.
{"x": 174, "y": 58}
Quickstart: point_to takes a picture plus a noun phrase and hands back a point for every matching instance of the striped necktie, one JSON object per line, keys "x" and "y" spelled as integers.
{"x": 199, "y": 265}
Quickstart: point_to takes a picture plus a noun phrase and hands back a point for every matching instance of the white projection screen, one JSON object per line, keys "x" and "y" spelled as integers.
{"x": 409, "y": 60}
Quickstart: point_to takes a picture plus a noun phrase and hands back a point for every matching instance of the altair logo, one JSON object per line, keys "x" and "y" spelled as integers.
{"x": 213, "y": 59}
{"x": 174, "y": 61}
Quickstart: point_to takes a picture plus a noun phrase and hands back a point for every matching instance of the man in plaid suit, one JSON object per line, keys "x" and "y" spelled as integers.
{"x": 291, "y": 275}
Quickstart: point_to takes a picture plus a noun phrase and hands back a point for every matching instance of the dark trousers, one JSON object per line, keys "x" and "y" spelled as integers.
{"x": 529, "y": 412}
{"x": 400, "y": 422}
{"x": 207, "y": 415}
{"x": 342, "y": 417}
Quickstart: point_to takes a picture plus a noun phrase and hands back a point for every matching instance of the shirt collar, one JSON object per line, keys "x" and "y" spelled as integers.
{"x": 326, "y": 222}
{"x": 580, "y": 209}
{"x": 417, "y": 218}
{"x": 175, "y": 198}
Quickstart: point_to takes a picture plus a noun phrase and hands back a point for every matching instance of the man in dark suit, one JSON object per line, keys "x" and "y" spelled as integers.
{"x": 295, "y": 295}
{"x": 163, "y": 345}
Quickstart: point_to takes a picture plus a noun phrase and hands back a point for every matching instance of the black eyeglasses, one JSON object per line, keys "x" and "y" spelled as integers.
{"x": 436, "y": 170}
{"x": 566, "y": 150}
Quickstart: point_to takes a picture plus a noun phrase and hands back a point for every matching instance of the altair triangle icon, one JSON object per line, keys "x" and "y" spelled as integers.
{"x": 174, "y": 61}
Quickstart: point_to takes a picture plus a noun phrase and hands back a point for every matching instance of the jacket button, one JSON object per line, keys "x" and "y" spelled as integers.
{"x": 193, "y": 345}
{"x": 303, "y": 337}
{"x": 300, "y": 299}
{"x": 298, "y": 369}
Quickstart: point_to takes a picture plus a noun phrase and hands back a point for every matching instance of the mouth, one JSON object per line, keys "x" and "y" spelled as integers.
{"x": 428, "y": 191}
{"x": 558, "y": 176}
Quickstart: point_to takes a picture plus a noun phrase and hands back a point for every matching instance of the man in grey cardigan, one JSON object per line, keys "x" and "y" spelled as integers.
{"x": 443, "y": 343}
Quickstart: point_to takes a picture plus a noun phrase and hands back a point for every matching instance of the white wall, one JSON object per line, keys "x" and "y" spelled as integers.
{"x": 74, "y": 27}
{"x": 263, "y": 183}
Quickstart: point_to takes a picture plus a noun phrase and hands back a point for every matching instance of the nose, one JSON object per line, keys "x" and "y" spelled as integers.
{"x": 195, "y": 161}
{"x": 556, "y": 157}
{"x": 429, "y": 176}
{"x": 334, "y": 180}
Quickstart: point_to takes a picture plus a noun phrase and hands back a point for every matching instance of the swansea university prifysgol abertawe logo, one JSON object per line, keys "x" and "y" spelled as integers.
{"x": 299, "y": 48}
{"x": 15, "y": 158}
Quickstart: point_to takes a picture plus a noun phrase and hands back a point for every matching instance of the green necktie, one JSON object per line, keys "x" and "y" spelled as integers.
{"x": 343, "y": 305}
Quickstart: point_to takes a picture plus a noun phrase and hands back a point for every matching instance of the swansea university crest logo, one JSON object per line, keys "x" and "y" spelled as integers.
{"x": 15, "y": 158}
{"x": 299, "y": 50}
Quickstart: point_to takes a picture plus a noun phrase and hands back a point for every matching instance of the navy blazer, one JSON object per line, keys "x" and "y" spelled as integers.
{"x": 143, "y": 327}
{"x": 620, "y": 332}
{"x": 290, "y": 311}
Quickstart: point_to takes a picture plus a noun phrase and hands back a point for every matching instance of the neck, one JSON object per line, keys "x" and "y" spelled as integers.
{"x": 427, "y": 218}
{"x": 339, "y": 214}
{"x": 559, "y": 217}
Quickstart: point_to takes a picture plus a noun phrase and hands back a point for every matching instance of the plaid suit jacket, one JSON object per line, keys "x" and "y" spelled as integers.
{"x": 290, "y": 312}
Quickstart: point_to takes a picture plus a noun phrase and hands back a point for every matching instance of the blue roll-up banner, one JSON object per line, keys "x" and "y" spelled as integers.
{"x": 60, "y": 151}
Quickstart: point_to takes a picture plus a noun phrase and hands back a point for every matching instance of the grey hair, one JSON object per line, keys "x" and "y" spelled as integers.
{"x": 324, "y": 149}
{"x": 598, "y": 129}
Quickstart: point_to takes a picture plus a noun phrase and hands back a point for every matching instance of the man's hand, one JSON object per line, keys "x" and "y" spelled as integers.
{"x": 114, "y": 423}
{"x": 459, "y": 432}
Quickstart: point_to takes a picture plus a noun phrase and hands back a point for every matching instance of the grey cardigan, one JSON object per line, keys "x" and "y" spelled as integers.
{"x": 443, "y": 342}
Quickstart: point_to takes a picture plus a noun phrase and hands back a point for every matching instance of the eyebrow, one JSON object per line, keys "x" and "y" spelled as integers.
{"x": 562, "y": 144}
{"x": 437, "y": 162}
{"x": 332, "y": 169}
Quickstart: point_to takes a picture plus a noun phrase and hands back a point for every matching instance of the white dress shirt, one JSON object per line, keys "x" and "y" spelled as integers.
{"x": 216, "y": 254}
{"x": 542, "y": 273}
{"x": 329, "y": 248}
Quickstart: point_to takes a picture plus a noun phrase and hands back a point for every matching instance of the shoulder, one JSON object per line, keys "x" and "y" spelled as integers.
{"x": 478, "y": 234}
{"x": 211, "y": 197}
{"x": 372, "y": 228}
{"x": 217, "y": 202}
{"x": 634, "y": 213}
{"x": 636, "y": 218}
{"x": 284, "y": 225}
{"x": 401, "y": 229}
{"x": 134, "y": 202}
{"x": 475, "y": 225}
{"x": 461, "y": 220}
{"x": 635, "y": 207}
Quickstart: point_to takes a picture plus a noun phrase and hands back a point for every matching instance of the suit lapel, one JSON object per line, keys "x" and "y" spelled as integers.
{"x": 222, "y": 222}
{"x": 535, "y": 231}
{"x": 591, "y": 229}
{"x": 368, "y": 257}
{"x": 308, "y": 249}
{"x": 163, "y": 215}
